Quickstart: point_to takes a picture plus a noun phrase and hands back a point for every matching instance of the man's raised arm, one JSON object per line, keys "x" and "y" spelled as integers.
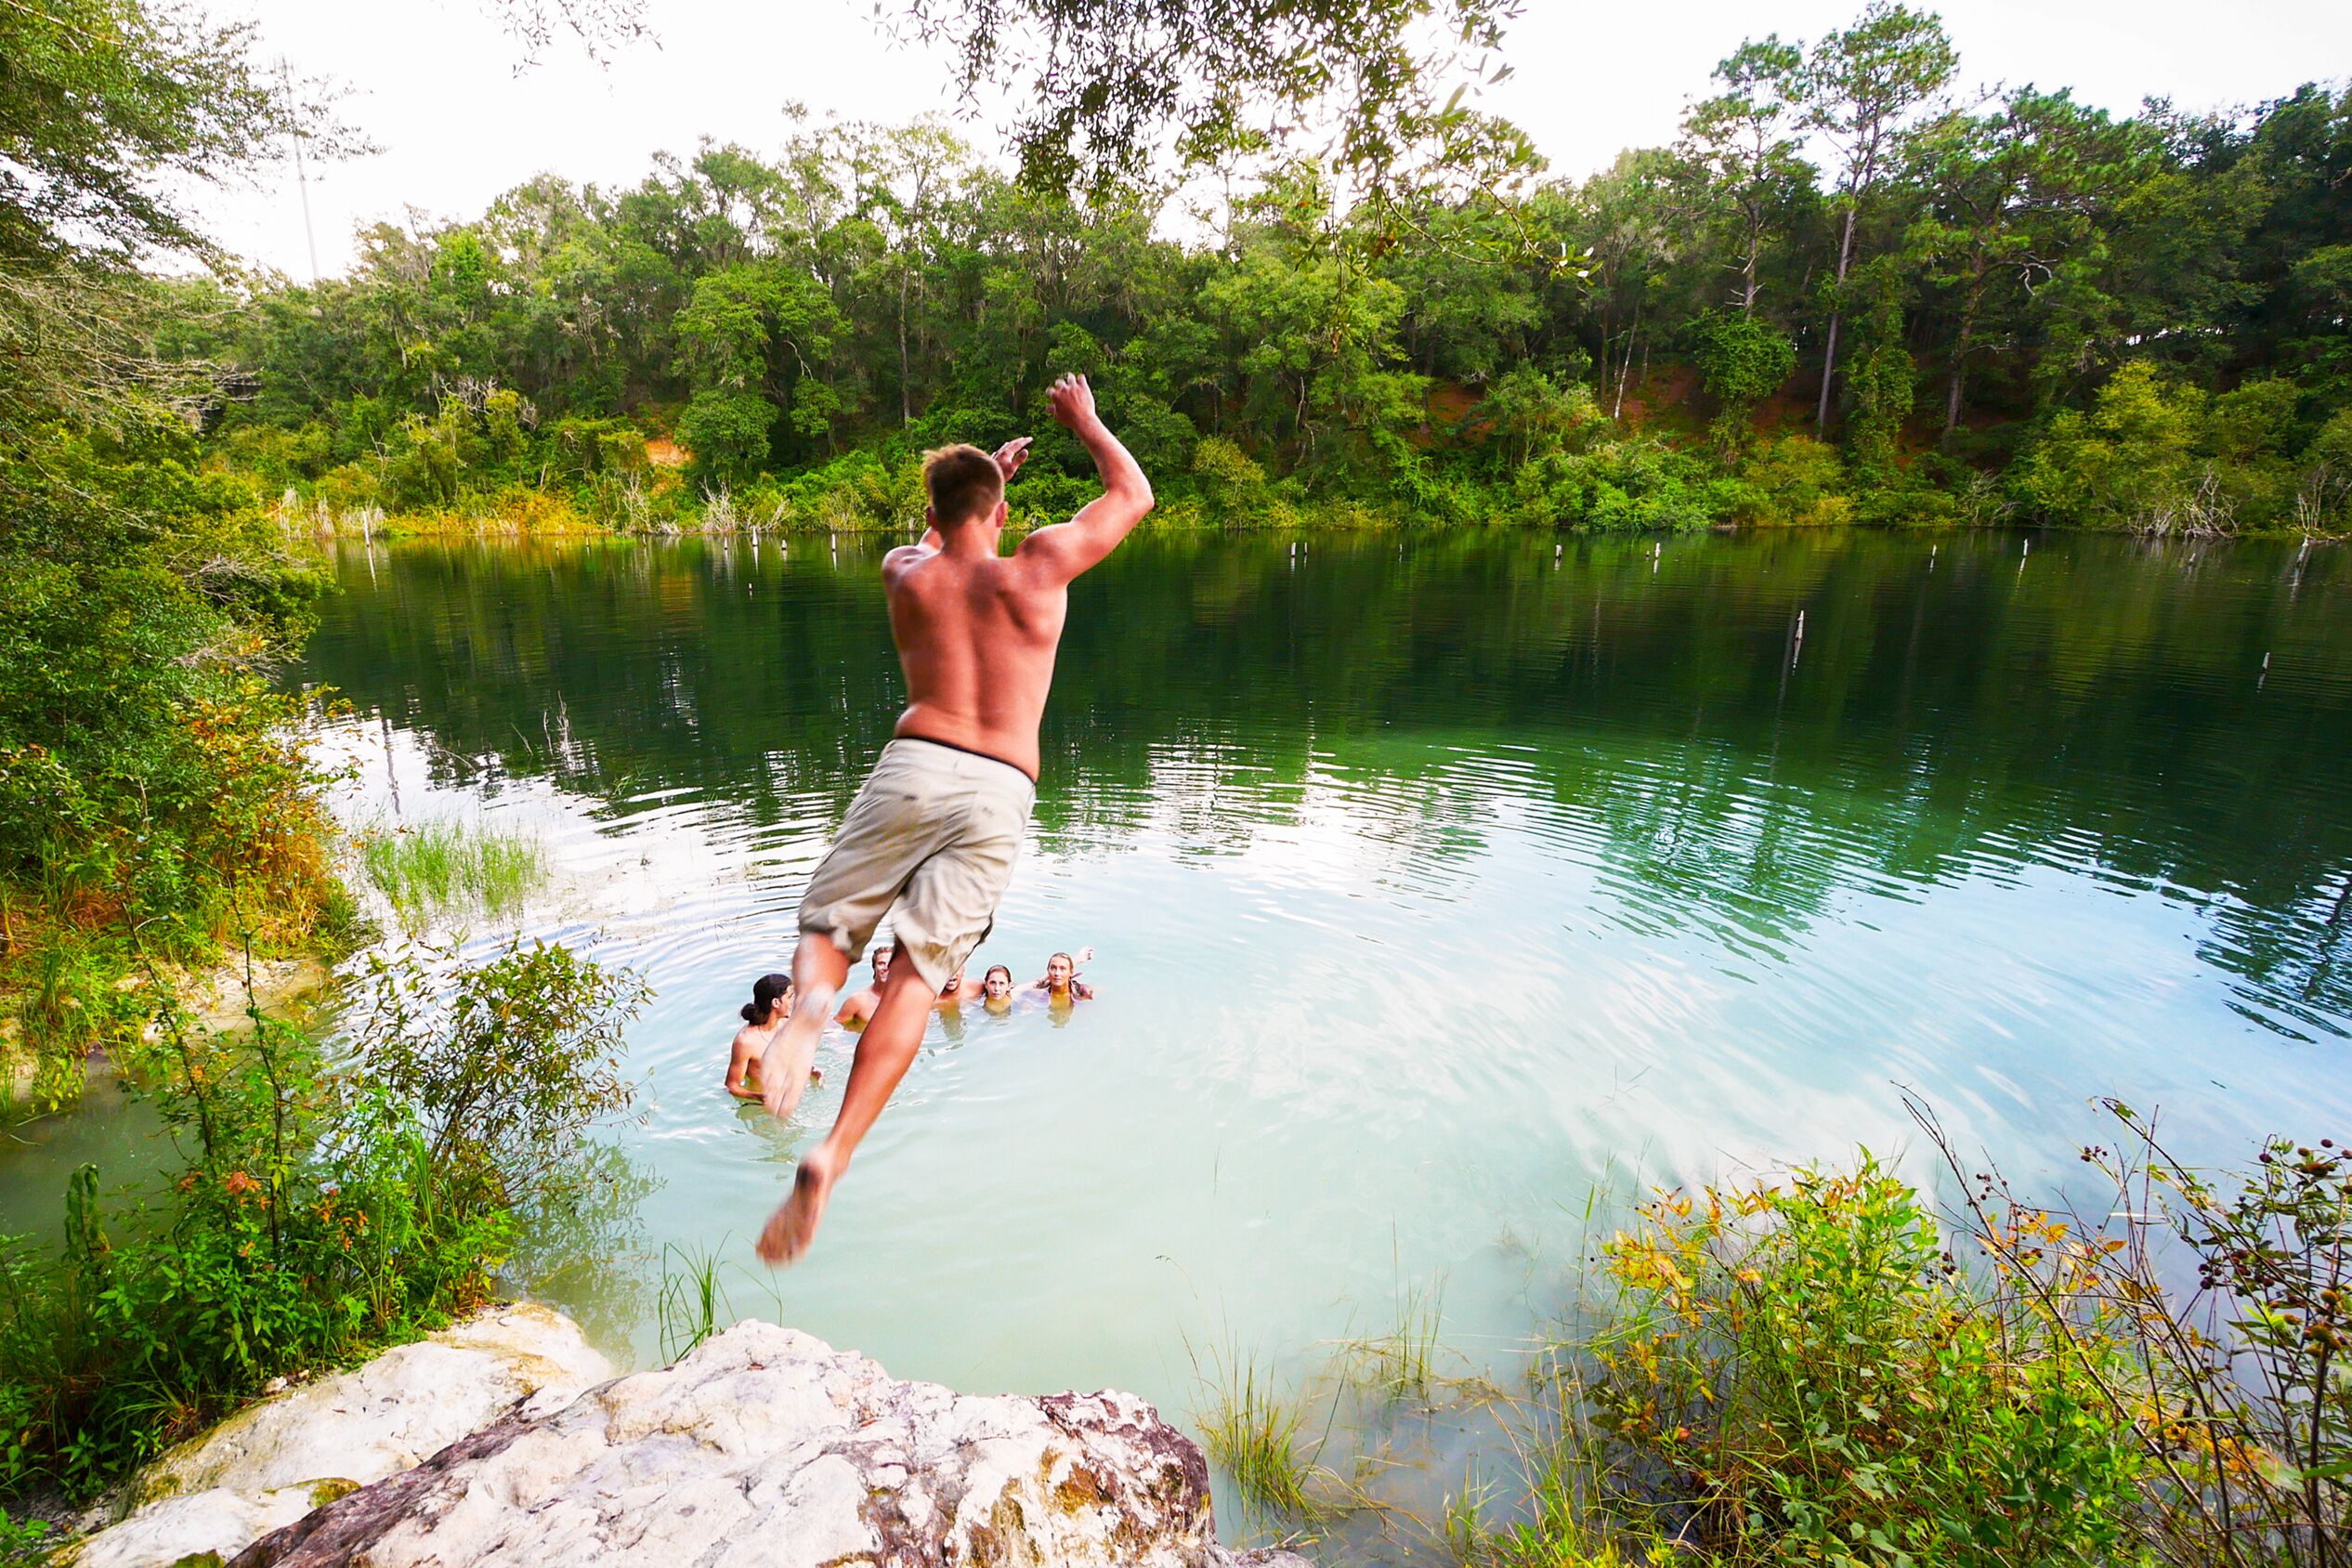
{"x": 1069, "y": 548}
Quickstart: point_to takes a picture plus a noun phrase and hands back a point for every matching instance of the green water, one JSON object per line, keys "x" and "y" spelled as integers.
{"x": 1433, "y": 882}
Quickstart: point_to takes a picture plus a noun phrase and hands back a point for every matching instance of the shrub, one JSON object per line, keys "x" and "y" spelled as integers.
{"x": 728, "y": 433}
{"x": 2237, "y": 1392}
{"x": 1808, "y": 1366}
{"x": 1794, "y": 480}
{"x": 504, "y": 1067}
{"x": 149, "y": 794}
{"x": 324, "y": 1211}
{"x": 2163, "y": 458}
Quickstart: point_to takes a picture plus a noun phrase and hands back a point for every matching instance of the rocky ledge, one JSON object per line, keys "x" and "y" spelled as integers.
{"x": 766, "y": 1447}
{"x": 273, "y": 1462}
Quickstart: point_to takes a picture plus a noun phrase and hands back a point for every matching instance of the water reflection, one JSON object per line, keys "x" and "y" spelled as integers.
{"x": 2104, "y": 707}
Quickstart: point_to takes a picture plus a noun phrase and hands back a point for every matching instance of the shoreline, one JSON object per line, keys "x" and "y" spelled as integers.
{"x": 402, "y": 531}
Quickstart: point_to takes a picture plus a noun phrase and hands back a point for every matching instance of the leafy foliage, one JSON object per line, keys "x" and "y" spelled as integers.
{"x": 504, "y": 1068}
{"x": 1109, "y": 79}
{"x": 747, "y": 342}
{"x": 1805, "y": 1361}
{"x": 149, "y": 801}
{"x": 1742, "y": 361}
{"x": 324, "y": 1211}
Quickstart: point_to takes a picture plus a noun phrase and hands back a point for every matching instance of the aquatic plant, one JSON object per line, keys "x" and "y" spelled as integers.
{"x": 1395, "y": 1366}
{"x": 438, "y": 868}
{"x": 1255, "y": 1431}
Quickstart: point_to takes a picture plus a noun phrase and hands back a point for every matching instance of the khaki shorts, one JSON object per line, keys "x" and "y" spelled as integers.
{"x": 930, "y": 842}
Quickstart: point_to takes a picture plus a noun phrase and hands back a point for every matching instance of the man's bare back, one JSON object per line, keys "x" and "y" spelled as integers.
{"x": 932, "y": 838}
{"x": 976, "y": 636}
{"x": 977, "y": 631}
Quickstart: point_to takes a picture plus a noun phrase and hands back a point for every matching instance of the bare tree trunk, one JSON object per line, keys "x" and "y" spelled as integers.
{"x": 1829, "y": 354}
{"x": 1747, "y": 273}
{"x": 1625, "y": 366}
{"x": 1960, "y": 357}
{"x": 905, "y": 406}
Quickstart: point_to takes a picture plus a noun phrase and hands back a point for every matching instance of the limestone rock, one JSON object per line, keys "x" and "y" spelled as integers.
{"x": 273, "y": 1462}
{"x": 766, "y": 1447}
{"x": 218, "y": 1522}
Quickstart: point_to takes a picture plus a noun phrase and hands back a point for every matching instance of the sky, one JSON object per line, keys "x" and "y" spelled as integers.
{"x": 457, "y": 117}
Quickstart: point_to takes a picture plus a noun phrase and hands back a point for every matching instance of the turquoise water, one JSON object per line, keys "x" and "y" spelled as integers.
{"x": 1434, "y": 883}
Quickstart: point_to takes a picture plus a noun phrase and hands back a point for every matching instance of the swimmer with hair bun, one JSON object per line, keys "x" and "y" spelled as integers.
{"x": 770, "y": 1006}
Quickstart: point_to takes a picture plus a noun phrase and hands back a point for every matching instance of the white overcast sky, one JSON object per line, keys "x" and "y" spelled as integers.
{"x": 434, "y": 84}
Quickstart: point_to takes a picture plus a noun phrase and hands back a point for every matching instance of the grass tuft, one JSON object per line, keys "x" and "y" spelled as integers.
{"x": 1396, "y": 1366}
{"x": 693, "y": 1302}
{"x": 1253, "y": 1428}
{"x": 434, "y": 869}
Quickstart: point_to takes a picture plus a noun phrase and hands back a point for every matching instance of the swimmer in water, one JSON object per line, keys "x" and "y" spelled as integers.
{"x": 995, "y": 990}
{"x": 860, "y": 1008}
{"x": 1062, "y": 986}
{"x": 954, "y": 993}
{"x": 771, "y": 1004}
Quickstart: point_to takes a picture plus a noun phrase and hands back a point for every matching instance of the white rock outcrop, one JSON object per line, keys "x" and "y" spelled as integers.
{"x": 274, "y": 1462}
{"x": 766, "y": 1447}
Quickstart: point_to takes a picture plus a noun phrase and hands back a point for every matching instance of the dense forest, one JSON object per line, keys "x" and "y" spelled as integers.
{"x": 1849, "y": 290}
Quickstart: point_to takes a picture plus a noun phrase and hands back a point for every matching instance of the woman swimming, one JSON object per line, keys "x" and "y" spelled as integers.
{"x": 995, "y": 990}
{"x": 1062, "y": 986}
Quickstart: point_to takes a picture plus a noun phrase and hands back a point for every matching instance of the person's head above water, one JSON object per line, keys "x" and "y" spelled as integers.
{"x": 1058, "y": 970}
{"x": 997, "y": 983}
{"x": 881, "y": 962}
{"x": 767, "y": 991}
{"x": 964, "y": 485}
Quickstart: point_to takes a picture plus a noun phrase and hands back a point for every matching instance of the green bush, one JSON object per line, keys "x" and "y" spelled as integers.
{"x": 1794, "y": 481}
{"x": 2160, "y": 457}
{"x": 1741, "y": 361}
{"x": 1811, "y": 1367}
{"x": 324, "y": 1211}
{"x": 150, "y": 798}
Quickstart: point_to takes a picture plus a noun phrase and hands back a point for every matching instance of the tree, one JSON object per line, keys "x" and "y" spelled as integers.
{"x": 1738, "y": 145}
{"x": 1639, "y": 230}
{"x": 1858, "y": 89}
{"x": 115, "y": 114}
{"x": 2010, "y": 198}
{"x": 1111, "y": 81}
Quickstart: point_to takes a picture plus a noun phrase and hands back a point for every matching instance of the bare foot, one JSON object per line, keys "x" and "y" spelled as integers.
{"x": 794, "y": 1225}
{"x": 785, "y": 1064}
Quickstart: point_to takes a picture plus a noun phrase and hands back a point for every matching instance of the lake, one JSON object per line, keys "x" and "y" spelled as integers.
{"x": 1436, "y": 883}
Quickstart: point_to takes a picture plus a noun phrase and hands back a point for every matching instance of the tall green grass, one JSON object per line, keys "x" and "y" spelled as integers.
{"x": 1256, "y": 1431}
{"x": 433, "y": 869}
{"x": 693, "y": 1302}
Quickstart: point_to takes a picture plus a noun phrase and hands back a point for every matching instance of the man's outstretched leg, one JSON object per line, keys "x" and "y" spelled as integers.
{"x": 820, "y": 969}
{"x": 884, "y": 1051}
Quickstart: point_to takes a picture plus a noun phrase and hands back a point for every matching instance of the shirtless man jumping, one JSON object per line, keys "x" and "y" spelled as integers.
{"x": 932, "y": 838}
